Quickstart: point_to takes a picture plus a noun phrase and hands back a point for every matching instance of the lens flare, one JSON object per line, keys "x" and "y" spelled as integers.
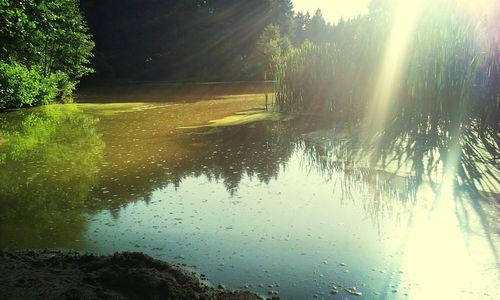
{"x": 406, "y": 15}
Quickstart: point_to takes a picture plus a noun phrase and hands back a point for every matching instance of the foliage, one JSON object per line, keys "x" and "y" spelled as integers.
{"x": 49, "y": 34}
{"x": 45, "y": 43}
{"x": 317, "y": 30}
{"x": 300, "y": 78}
{"x": 270, "y": 51}
{"x": 333, "y": 78}
{"x": 445, "y": 109}
{"x": 20, "y": 86}
{"x": 193, "y": 40}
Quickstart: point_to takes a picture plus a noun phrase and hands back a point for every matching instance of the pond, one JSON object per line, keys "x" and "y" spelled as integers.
{"x": 257, "y": 205}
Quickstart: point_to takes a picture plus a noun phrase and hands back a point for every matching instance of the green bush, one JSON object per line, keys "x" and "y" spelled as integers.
{"x": 21, "y": 87}
{"x": 66, "y": 87}
{"x": 45, "y": 50}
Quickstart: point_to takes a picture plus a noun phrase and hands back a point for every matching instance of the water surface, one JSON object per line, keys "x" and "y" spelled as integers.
{"x": 257, "y": 206}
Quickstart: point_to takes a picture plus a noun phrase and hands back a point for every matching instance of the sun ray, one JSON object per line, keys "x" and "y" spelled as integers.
{"x": 406, "y": 15}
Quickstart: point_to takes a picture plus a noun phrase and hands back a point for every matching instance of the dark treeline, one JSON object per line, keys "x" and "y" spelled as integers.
{"x": 48, "y": 46}
{"x": 195, "y": 40}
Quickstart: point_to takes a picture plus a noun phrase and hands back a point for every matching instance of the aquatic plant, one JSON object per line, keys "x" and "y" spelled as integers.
{"x": 427, "y": 94}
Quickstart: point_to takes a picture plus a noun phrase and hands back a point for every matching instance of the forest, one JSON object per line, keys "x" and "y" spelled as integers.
{"x": 53, "y": 44}
{"x": 214, "y": 40}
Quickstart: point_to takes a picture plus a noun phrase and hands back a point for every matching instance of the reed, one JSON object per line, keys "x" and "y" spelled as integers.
{"x": 446, "y": 109}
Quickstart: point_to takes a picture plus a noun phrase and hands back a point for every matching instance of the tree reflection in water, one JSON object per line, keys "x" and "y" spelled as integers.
{"x": 49, "y": 161}
{"x": 68, "y": 173}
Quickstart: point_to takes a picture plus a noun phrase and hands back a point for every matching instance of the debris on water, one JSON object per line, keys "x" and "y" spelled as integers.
{"x": 334, "y": 290}
{"x": 342, "y": 264}
{"x": 353, "y": 291}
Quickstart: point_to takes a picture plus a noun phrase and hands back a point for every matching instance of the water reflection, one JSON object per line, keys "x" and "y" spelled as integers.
{"x": 49, "y": 160}
{"x": 451, "y": 219}
{"x": 225, "y": 156}
{"x": 271, "y": 203}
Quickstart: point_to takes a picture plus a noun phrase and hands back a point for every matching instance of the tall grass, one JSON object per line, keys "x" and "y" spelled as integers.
{"x": 446, "y": 110}
{"x": 333, "y": 79}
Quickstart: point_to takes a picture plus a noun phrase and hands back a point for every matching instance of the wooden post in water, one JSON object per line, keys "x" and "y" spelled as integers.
{"x": 265, "y": 80}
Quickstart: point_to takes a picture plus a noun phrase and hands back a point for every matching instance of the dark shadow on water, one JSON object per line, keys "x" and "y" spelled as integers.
{"x": 169, "y": 92}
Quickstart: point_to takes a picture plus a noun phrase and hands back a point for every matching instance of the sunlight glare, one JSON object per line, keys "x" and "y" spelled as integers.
{"x": 406, "y": 16}
{"x": 438, "y": 260}
{"x": 333, "y": 10}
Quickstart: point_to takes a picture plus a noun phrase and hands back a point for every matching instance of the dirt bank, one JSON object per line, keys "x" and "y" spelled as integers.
{"x": 71, "y": 275}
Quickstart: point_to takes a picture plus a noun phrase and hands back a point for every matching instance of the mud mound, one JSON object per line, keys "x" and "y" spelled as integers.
{"x": 71, "y": 275}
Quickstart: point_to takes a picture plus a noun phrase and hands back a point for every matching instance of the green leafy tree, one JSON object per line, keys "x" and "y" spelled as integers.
{"x": 46, "y": 37}
{"x": 18, "y": 28}
{"x": 66, "y": 44}
{"x": 271, "y": 50}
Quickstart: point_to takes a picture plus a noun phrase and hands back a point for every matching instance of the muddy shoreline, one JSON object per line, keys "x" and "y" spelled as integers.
{"x": 53, "y": 274}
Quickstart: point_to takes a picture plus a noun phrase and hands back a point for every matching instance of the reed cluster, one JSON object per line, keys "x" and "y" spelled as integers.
{"x": 445, "y": 101}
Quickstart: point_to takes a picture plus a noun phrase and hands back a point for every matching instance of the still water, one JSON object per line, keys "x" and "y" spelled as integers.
{"x": 257, "y": 206}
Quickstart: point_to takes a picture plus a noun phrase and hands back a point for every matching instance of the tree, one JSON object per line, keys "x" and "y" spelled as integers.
{"x": 48, "y": 34}
{"x": 45, "y": 50}
{"x": 317, "y": 30}
{"x": 271, "y": 49}
{"x": 66, "y": 45}
{"x": 282, "y": 15}
{"x": 17, "y": 31}
{"x": 301, "y": 24}
{"x": 193, "y": 40}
